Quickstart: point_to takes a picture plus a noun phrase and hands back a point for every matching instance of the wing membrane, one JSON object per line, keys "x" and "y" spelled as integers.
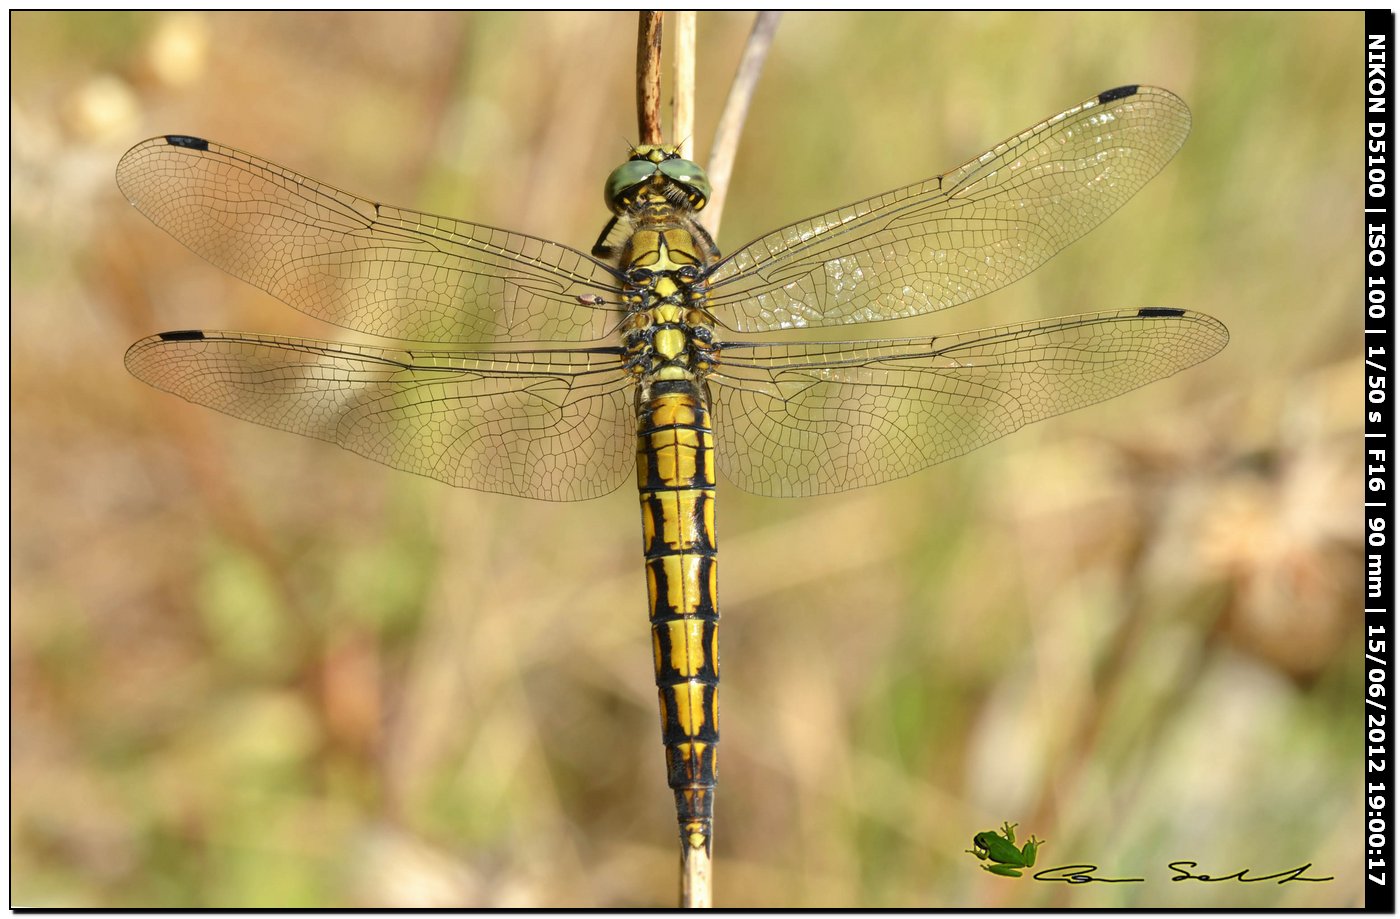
{"x": 958, "y": 236}
{"x": 557, "y": 425}
{"x": 804, "y": 419}
{"x": 381, "y": 270}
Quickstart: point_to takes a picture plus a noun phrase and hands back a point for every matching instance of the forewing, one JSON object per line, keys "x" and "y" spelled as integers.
{"x": 550, "y": 424}
{"x": 805, "y": 419}
{"x": 381, "y": 270}
{"x": 958, "y": 236}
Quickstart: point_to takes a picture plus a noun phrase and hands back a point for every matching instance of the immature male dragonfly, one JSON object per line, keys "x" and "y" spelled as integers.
{"x": 663, "y": 389}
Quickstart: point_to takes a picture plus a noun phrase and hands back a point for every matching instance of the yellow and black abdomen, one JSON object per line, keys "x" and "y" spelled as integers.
{"x": 676, "y": 477}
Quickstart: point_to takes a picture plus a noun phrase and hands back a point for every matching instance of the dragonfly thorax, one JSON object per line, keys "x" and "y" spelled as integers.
{"x": 668, "y": 342}
{"x": 667, "y": 334}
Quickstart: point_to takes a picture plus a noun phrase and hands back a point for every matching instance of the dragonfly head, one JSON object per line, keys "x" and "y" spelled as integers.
{"x": 655, "y": 173}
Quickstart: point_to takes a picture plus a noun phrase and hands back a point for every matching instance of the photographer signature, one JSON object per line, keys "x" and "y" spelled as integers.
{"x": 1083, "y": 874}
{"x": 998, "y": 850}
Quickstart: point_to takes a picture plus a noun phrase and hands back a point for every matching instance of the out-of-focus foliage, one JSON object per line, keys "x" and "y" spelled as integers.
{"x": 252, "y": 670}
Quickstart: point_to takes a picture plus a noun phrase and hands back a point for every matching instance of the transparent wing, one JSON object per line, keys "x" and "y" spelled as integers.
{"x": 557, "y": 425}
{"x": 958, "y": 236}
{"x": 382, "y": 270}
{"x": 805, "y": 419}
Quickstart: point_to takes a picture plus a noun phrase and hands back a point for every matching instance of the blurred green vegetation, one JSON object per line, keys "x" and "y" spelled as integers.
{"x": 251, "y": 670}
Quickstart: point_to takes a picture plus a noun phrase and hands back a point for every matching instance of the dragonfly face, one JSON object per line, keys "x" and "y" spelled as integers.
{"x": 660, "y": 173}
{"x": 479, "y": 392}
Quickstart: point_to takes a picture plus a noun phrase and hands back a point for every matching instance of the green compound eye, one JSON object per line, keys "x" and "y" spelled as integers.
{"x": 689, "y": 176}
{"x": 623, "y": 179}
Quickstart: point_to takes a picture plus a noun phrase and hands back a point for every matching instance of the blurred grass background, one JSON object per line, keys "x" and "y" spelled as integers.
{"x": 254, "y": 670}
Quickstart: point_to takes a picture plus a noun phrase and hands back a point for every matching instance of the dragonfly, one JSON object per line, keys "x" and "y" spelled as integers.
{"x": 523, "y": 366}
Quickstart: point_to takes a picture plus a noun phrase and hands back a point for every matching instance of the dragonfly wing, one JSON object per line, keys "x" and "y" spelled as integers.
{"x": 805, "y": 419}
{"x": 958, "y": 236}
{"x": 557, "y": 425}
{"x": 381, "y": 270}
